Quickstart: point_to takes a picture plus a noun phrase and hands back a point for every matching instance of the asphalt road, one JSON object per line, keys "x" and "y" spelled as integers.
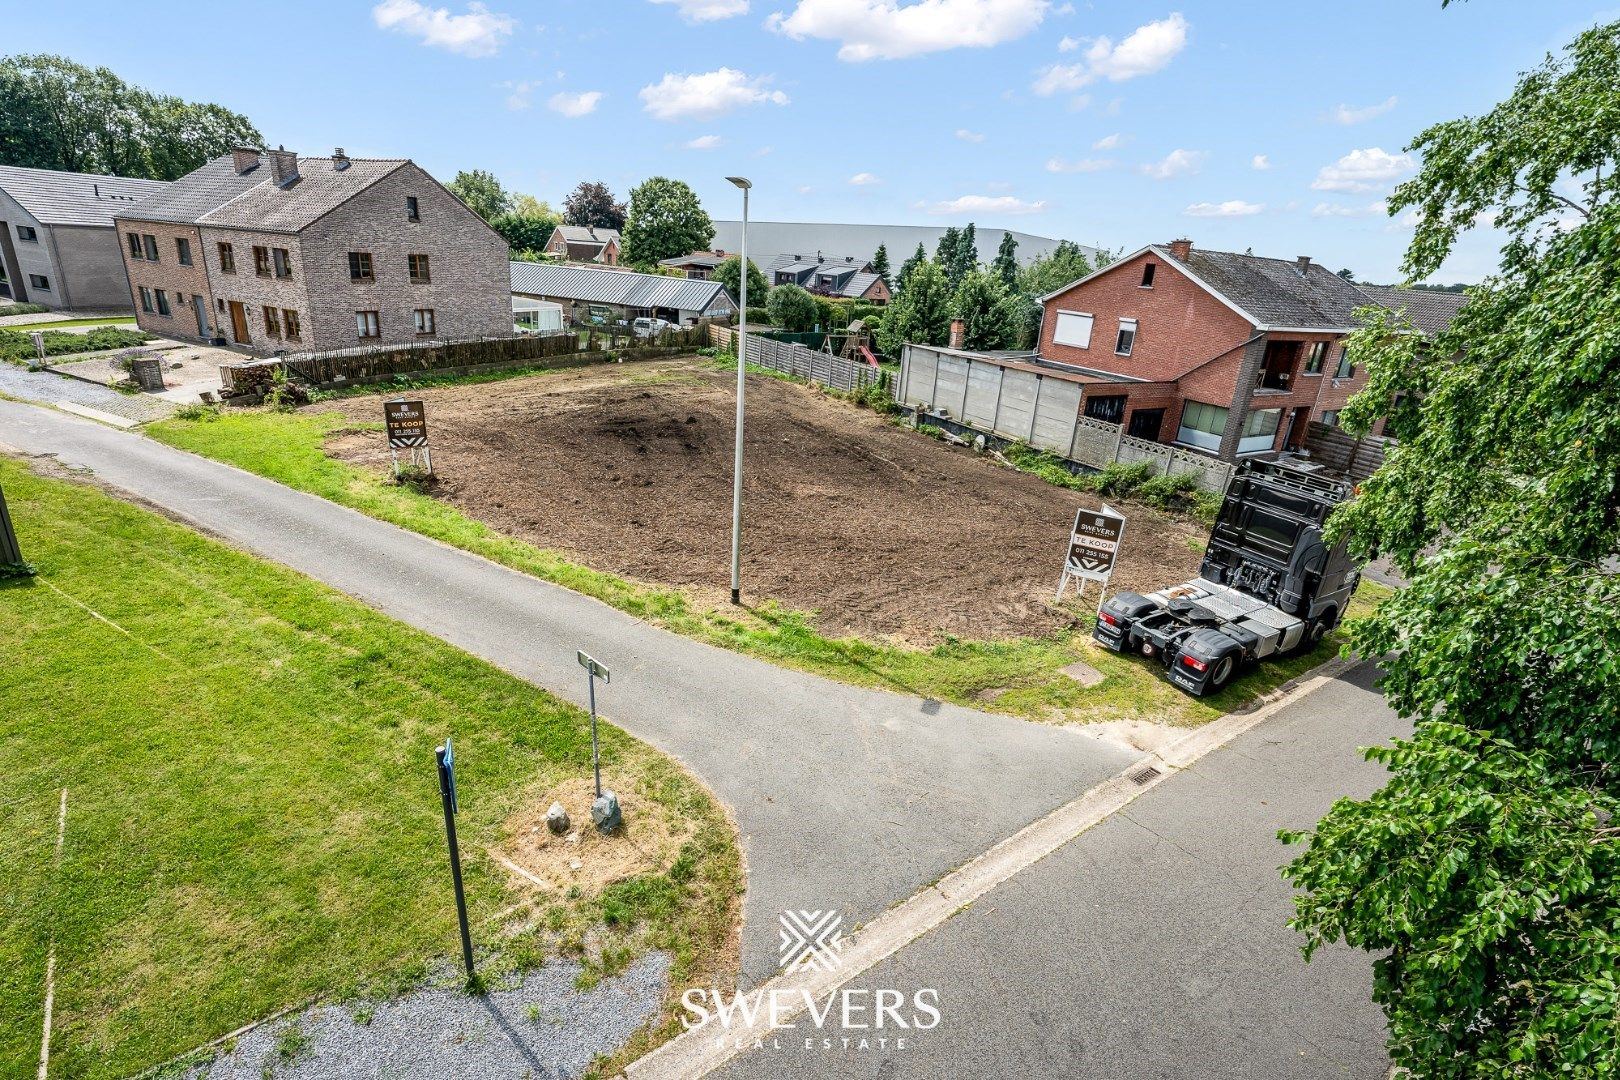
{"x": 845, "y": 798}
{"x": 1151, "y": 946}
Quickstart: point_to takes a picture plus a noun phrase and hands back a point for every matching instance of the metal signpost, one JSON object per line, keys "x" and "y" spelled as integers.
{"x": 445, "y": 756}
{"x": 595, "y": 669}
{"x": 406, "y": 422}
{"x": 1093, "y": 548}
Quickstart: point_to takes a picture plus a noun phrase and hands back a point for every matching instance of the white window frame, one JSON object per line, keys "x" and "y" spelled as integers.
{"x": 1130, "y": 346}
{"x": 1079, "y": 341}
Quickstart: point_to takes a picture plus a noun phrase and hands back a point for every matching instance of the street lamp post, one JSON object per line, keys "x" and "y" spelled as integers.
{"x": 742, "y": 354}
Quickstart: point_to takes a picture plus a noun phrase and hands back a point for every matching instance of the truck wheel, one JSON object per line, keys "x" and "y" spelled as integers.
{"x": 1222, "y": 673}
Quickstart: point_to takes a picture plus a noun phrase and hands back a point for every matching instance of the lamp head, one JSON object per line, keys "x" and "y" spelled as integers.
{"x": 741, "y": 182}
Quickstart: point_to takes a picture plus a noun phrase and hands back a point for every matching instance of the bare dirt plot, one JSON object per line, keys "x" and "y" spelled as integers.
{"x": 627, "y": 469}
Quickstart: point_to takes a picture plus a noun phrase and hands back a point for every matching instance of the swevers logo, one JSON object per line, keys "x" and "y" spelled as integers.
{"x": 812, "y": 939}
{"x": 810, "y": 945}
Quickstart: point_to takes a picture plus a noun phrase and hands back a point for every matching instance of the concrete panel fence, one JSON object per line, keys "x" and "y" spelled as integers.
{"x": 1017, "y": 405}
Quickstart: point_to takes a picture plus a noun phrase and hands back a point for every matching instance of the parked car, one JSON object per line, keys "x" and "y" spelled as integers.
{"x": 645, "y": 327}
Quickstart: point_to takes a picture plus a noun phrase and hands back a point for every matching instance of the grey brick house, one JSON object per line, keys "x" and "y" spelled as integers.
{"x": 275, "y": 252}
{"x": 57, "y": 244}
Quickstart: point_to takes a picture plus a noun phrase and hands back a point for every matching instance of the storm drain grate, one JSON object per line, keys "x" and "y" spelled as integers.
{"x": 1144, "y": 775}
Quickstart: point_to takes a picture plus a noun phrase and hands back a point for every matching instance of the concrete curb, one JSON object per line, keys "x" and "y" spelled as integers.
{"x": 698, "y": 1051}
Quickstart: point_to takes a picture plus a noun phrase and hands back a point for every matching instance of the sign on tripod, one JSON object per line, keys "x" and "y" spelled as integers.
{"x": 406, "y": 422}
{"x": 1093, "y": 549}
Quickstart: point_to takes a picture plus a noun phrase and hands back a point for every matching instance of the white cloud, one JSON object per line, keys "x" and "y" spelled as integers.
{"x": 864, "y": 179}
{"x": 969, "y": 136}
{"x": 1363, "y": 170}
{"x": 479, "y": 32}
{"x": 704, "y": 142}
{"x": 1175, "y": 163}
{"x": 1084, "y": 165}
{"x": 1108, "y": 142}
{"x": 1337, "y": 210}
{"x": 1069, "y": 44}
{"x": 984, "y": 204}
{"x": 705, "y": 96}
{"x": 574, "y": 105}
{"x": 1229, "y": 208}
{"x": 805, "y": 189}
{"x": 518, "y": 99}
{"x": 890, "y": 30}
{"x": 1145, "y": 50}
{"x": 699, "y": 11}
{"x": 1344, "y": 114}
{"x": 1260, "y": 161}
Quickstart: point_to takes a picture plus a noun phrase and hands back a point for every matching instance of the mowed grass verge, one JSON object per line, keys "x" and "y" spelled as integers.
{"x": 253, "y": 816}
{"x": 1019, "y": 677}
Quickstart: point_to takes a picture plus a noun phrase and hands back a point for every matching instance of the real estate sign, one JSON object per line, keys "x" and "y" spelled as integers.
{"x": 406, "y": 422}
{"x": 1093, "y": 548}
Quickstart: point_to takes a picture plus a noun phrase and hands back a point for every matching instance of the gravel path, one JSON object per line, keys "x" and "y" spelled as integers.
{"x": 442, "y": 1032}
{"x": 46, "y": 388}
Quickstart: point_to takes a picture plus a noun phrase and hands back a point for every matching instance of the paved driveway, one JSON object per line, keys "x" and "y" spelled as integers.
{"x": 845, "y": 798}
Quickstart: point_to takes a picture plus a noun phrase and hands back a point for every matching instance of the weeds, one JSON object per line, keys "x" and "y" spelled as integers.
{"x": 198, "y": 411}
{"x": 291, "y": 1044}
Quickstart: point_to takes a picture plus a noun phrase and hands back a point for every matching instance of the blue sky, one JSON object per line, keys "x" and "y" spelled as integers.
{"x": 1276, "y": 126}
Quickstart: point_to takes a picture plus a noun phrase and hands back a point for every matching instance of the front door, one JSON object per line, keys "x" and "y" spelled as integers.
{"x": 1298, "y": 427}
{"x": 200, "y": 306}
{"x": 239, "y": 328}
{"x": 1145, "y": 424}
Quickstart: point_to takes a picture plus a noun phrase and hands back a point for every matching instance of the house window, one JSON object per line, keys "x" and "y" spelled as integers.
{"x": 227, "y": 259}
{"x": 146, "y": 299}
{"x": 1202, "y": 425}
{"x": 1329, "y": 417}
{"x": 149, "y": 245}
{"x": 40, "y": 282}
{"x": 163, "y": 303}
{"x": 1126, "y": 339}
{"x": 1109, "y": 408}
{"x": 1346, "y": 368}
{"x": 135, "y": 250}
{"x": 289, "y": 323}
{"x": 419, "y": 270}
{"x": 182, "y": 250}
{"x": 412, "y": 212}
{"x": 1259, "y": 431}
{"x": 1315, "y": 353}
{"x": 367, "y": 325}
{"x": 272, "y": 322}
{"x": 26, "y": 232}
{"x": 1073, "y": 328}
{"x": 424, "y": 320}
{"x": 261, "y": 261}
{"x": 1148, "y": 270}
{"x": 360, "y": 267}
{"x": 283, "y": 263}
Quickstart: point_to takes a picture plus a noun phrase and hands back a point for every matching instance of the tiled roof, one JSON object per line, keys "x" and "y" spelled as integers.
{"x": 1274, "y": 292}
{"x": 217, "y": 195}
{"x": 1431, "y": 312}
{"x": 604, "y": 285}
{"x": 66, "y": 198}
{"x": 697, "y": 258}
{"x": 585, "y": 234}
{"x": 858, "y": 284}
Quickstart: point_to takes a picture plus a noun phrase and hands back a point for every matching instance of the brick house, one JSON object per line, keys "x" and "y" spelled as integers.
{"x": 584, "y": 243}
{"x": 1227, "y": 353}
{"x": 848, "y": 277}
{"x": 276, "y": 252}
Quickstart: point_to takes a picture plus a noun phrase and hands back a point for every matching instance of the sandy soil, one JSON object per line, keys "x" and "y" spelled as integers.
{"x": 627, "y": 468}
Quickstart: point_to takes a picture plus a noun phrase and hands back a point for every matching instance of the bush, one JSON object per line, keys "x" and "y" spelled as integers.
{"x": 1119, "y": 478}
{"x": 758, "y": 316}
{"x": 18, "y": 347}
{"x": 1178, "y": 491}
{"x": 792, "y": 309}
{"x": 23, "y": 309}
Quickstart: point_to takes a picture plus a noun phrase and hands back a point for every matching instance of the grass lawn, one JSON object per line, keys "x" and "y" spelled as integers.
{"x": 1023, "y": 674}
{"x": 253, "y": 817}
{"x": 63, "y": 324}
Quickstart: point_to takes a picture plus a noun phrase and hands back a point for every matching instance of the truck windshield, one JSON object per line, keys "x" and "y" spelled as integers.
{"x": 1271, "y": 531}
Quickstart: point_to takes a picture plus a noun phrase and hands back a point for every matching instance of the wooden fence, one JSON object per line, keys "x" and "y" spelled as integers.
{"x": 1344, "y": 453}
{"x": 1018, "y": 405}
{"x": 818, "y": 367}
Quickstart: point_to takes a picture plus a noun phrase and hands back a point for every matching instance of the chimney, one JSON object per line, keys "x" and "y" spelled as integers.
{"x": 244, "y": 159}
{"x": 340, "y": 160}
{"x": 1181, "y": 249}
{"x": 1303, "y": 264}
{"x": 958, "y": 333}
{"x": 283, "y": 167}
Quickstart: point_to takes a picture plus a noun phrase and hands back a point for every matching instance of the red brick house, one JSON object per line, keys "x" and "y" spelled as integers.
{"x": 1228, "y": 353}
{"x": 584, "y": 244}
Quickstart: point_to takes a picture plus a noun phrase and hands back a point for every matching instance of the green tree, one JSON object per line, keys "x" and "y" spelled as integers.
{"x": 729, "y": 274}
{"x": 482, "y": 193}
{"x": 945, "y": 250}
{"x": 1006, "y": 264}
{"x": 792, "y": 309}
{"x": 665, "y": 220}
{"x": 1486, "y": 867}
{"x": 963, "y": 257}
{"x": 980, "y": 301}
{"x": 880, "y": 265}
{"x": 921, "y": 314}
{"x": 592, "y": 204}
{"x": 56, "y": 114}
{"x": 909, "y": 267}
{"x": 1048, "y": 273}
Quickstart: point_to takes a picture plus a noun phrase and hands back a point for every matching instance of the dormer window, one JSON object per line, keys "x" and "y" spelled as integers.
{"x": 1148, "y": 270}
